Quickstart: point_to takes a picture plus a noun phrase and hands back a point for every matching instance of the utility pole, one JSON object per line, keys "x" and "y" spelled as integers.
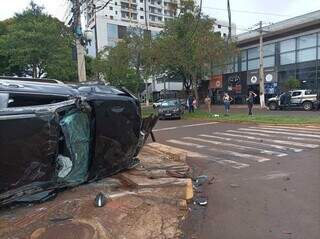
{"x": 79, "y": 46}
{"x": 261, "y": 69}
{"x": 229, "y": 17}
{"x": 146, "y": 35}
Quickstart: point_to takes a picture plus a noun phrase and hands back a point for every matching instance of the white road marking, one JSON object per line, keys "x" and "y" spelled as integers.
{"x": 174, "y": 141}
{"x": 184, "y": 126}
{"x": 289, "y": 127}
{"x": 240, "y": 155}
{"x": 288, "y": 130}
{"x": 277, "y": 132}
{"x": 231, "y": 163}
{"x": 275, "y": 175}
{"x": 276, "y": 146}
{"x": 277, "y": 141}
{"x": 187, "y": 152}
{"x": 269, "y": 135}
{"x": 241, "y": 147}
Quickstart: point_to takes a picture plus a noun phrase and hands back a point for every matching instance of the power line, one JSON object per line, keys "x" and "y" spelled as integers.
{"x": 248, "y": 12}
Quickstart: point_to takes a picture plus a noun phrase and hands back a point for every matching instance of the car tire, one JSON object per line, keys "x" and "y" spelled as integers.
{"x": 307, "y": 106}
{"x": 273, "y": 106}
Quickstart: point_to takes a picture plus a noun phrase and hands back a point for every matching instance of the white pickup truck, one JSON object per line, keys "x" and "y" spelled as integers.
{"x": 298, "y": 98}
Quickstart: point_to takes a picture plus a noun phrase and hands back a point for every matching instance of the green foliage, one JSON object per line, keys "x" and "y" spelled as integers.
{"x": 291, "y": 84}
{"x": 35, "y": 43}
{"x": 189, "y": 46}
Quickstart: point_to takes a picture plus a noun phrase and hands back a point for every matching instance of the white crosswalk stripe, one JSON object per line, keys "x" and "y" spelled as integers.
{"x": 307, "y": 128}
{"x": 278, "y": 132}
{"x": 271, "y": 136}
{"x": 237, "y": 146}
{"x": 277, "y": 141}
{"x": 276, "y": 146}
{"x": 289, "y": 130}
{"x": 198, "y": 146}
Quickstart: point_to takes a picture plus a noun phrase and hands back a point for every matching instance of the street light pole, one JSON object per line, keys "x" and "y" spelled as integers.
{"x": 79, "y": 47}
{"x": 261, "y": 69}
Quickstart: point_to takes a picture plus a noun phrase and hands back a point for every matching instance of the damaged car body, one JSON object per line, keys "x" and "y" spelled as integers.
{"x": 53, "y": 136}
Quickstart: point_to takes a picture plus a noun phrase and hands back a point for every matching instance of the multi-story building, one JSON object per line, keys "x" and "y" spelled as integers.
{"x": 291, "y": 51}
{"x": 111, "y": 22}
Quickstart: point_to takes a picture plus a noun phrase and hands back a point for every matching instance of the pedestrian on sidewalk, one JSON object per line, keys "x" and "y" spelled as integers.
{"x": 250, "y": 101}
{"x": 194, "y": 104}
{"x": 190, "y": 104}
{"x": 207, "y": 101}
{"x": 226, "y": 102}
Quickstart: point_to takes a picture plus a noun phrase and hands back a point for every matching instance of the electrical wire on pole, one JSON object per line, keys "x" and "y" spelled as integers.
{"x": 76, "y": 9}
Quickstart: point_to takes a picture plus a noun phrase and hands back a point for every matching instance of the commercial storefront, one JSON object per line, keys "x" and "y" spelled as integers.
{"x": 291, "y": 51}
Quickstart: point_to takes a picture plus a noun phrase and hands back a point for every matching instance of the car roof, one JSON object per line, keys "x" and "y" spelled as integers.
{"x": 35, "y": 86}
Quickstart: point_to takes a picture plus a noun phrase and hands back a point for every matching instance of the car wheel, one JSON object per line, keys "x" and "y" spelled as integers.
{"x": 273, "y": 106}
{"x": 307, "y": 106}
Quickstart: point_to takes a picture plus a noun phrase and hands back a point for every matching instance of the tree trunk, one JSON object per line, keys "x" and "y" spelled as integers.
{"x": 195, "y": 88}
{"x": 34, "y": 71}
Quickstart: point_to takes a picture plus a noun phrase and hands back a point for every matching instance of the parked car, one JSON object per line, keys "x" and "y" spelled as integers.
{"x": 54, "y": 136}
{"x": 157, "y": 103}
{"x": 305, "y": 99}
{"x": 170, "y": 109}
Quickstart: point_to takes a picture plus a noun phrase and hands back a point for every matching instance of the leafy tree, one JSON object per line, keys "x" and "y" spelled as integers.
{"x": 291, "y": 84}
{"x": 127, "y": 64}
{"x": 37, "y": 44}
{"x": 188, "y": 46}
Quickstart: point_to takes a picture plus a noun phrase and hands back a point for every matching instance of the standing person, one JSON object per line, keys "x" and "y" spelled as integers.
{"x": 250, "y": 100}
{"x": 190, "y": 104}
{"x": 226, "y": 102}
{"x": 207, "y": 101}
{"x": 194, "y": 103}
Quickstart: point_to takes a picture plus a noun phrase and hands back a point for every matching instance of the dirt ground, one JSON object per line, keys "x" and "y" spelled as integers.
{"x": 149, "y": 201}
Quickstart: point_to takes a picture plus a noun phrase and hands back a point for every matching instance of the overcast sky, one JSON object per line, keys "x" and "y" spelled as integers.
{"x": 245, "y": 13}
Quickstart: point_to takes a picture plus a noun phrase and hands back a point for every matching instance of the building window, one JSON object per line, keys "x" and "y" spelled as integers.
{"x": 116, "y": 3}
{"x": 111, "y": 17}
{"x": 116, "y": 12}
{"x": 141, "y": 8}
{"x": 307, "y": 55}
{"x": 219, "y": 26}
{"x": 288, "y": 45}
{"x": 141, "y": 1}
{"x": 318, "y": 39}
{"x": 269, "y": 50}
{"x": 141, "y": 17}
{"x": 253, "y": 64}
{"x": 122, "y": 31}
{"x": 268, "y": 61}
{"x": 319, "y": 54}
{"x": 112, "y": 31}
{"x": 111, "y": 8}
{"x": 253, "y": 53}
{"x": 288, "y": 58}
{"x": 243, "y": 66}
{"x": 307, "y": 41}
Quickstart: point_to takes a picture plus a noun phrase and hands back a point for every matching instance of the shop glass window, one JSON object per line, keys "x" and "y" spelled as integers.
{"x": 318, "y": 39}
{"x": 269, "y": 50}
{"x": 243, "y": 66}
{"x": 253, "y": 53}
{"x": 287, "y": 58}
{"x": 244, "y": 55}
{"x": 288, "y": 45}
{"x": 307, "y": 41}
{"x": 318, "y": 53}
{"x": 307, "y": 55}
{"x": 268, "y": 61}
{"x": 253, "y": 64}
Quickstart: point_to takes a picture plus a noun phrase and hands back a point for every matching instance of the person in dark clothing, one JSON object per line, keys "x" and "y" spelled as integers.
{"x": 250, "y": 101}
{"x": 190, "y": 103}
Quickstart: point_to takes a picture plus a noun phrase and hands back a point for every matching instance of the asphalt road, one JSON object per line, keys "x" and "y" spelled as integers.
{"x": 262, "y": 187}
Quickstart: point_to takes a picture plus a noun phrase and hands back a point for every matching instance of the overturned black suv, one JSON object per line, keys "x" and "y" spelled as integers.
{"x": 54, "y": 136}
